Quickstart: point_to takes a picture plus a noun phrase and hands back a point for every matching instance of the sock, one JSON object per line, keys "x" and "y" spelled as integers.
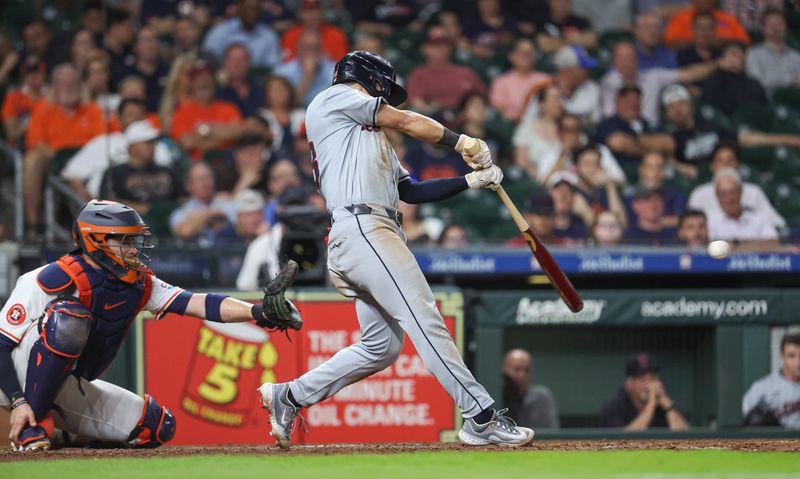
{"x": 293, "y": 400}
{"x": 484, "y": 416}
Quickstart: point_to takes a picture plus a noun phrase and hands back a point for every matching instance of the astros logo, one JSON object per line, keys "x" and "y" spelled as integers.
{"x": 16, "y": 314}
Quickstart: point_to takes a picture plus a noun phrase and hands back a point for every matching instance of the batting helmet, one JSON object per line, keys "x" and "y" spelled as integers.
{"x": 97, "y": 222}
{"x": 371, "y": 71}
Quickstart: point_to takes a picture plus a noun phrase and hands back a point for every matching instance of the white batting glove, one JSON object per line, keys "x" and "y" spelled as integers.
{"x": 477, "y": 161}
{"x": 486, "y": 178}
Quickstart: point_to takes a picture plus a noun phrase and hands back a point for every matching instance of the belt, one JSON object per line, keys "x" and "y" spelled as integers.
{"x": 362, "y": 209}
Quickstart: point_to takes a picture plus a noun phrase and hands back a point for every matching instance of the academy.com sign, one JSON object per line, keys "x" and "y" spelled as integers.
{"x": 531, "y": 311}
{"x": 688, "y": 308}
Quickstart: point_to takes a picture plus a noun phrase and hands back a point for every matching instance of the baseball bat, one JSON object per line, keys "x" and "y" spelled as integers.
{"x": 557, "y": 278}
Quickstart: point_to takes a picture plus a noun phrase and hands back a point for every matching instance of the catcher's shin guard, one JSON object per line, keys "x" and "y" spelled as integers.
{"x": 53, "y": 355}
{"x": 156, "y": 426}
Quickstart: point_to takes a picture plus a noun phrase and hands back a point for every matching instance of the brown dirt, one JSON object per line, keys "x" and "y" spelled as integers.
{"x": 786, "y": 445}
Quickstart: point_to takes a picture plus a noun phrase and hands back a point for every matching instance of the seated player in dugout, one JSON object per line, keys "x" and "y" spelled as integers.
{"x": 774, "y": 400}
{"x": 643, "y": 401}
{"x": 65, "y": 321}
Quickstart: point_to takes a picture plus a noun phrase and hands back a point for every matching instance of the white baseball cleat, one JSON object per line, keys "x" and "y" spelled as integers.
{"x": 500, "y": 430}
{"x": 282, "y": 413}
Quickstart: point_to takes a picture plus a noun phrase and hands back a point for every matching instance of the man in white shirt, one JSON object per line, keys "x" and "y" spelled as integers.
{"x": 736, "y": 222}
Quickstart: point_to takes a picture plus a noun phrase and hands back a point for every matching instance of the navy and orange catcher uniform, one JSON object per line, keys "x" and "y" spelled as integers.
{"x": 65, "y": 321}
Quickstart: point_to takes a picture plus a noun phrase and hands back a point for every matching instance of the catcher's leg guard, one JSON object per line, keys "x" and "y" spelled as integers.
{"x": 53, "y": 356}
{"x": 38, "y": 437}
{"x": 155, "y": 427}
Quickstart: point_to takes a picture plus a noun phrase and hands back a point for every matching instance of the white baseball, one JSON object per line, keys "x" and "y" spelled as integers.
{"x": 719, "y": 249}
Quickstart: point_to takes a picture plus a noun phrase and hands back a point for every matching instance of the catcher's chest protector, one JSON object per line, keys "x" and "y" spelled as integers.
{"x": 113, "y": 303}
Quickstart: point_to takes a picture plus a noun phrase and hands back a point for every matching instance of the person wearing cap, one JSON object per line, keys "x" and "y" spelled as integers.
{"x": 652, "y": 171}
{"x": 626, "y": 71}
{"x": 311, "y": 16}
{"x": 773, "y": 63}
{"x": 627, "y": 133}
{"x": 530, "y": 405}
{"x": 581, "y": 94}
{"x": 540, "y": 216}
{"x": 19, "y": 103}
{"x": 439, "y": 83}
{"x": 646, "y": 224}
{"x": 203, "y": 123}
{"x": 643, "y": 402}
{"x": 245, "y": 28}
{"x": 567, "y": 223}
{"x": 140, "y": 183}
{"x": 310, "y": 71}
{"x": 561, "y": 27}
{"x": 510, "y": 89}
{"x": 249, "y": 223}
{"x": 650, "y": 50}
{"x": 734, "y": 222}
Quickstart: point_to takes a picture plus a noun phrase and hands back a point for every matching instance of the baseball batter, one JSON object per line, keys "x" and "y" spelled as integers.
{"x": 64, "y": 322}
{"x": 777, "y": 395}
{"x": 358, "y": 174}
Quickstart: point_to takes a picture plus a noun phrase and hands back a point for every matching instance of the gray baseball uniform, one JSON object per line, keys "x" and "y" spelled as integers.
{"x": 779, "y": 395}
{"x": 368, "y": 259}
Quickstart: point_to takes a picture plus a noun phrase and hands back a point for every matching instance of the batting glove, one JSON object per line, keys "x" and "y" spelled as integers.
{"x": 486, "y": 178}
{"x": 478, "y": 161}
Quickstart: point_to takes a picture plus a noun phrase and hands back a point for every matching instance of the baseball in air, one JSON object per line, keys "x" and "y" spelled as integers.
{"x": 719, "y": 249}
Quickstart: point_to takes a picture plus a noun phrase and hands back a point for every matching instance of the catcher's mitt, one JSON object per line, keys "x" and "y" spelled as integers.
{"x": 277, "y": 312}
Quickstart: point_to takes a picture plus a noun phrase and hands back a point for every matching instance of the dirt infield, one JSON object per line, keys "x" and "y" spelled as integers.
{"x": 784, "y": 445}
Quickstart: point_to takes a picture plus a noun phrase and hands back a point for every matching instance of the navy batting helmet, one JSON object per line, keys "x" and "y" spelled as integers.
{"x": 371, "y": 71}
{"x": 97, "y": 222}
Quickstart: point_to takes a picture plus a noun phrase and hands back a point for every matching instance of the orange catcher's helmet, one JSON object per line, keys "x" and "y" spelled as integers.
{"x": 99, "y": 221}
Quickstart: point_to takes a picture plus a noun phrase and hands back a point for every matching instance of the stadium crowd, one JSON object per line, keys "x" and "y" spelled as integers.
{"x": 647, "y": 122}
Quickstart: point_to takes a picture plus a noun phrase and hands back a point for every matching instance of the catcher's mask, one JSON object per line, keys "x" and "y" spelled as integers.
{"x": 98, "y": 222}
{"x": 373, "y": 72}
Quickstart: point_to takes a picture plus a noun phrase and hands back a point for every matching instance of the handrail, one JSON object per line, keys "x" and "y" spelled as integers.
{"x": 54, "y": 231}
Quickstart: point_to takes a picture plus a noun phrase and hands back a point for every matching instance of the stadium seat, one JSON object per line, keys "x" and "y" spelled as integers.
{"x": 789, "y": 96}
{"x": 476, "y": 211}
{"x": 788, "y": 119}
{"x": 519, "y": 186}
{"x": 754, "y": 117}
{"x": 711, "y": 114}
{"x": 786, "y": 199}
{"x": 760, "y": 158}
{"x": 60, "y": 159}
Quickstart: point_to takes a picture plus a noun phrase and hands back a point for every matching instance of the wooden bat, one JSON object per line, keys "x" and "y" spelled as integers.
{"x": 557, "y": 278}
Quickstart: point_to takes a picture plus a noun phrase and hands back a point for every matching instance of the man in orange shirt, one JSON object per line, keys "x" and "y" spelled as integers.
{"x": 203, "y": 123}
{"x": 679, "y": 32}
{"x": 19, "y": 104}
{"x": 64, "y": 123}
{"x": 311, "y": 16}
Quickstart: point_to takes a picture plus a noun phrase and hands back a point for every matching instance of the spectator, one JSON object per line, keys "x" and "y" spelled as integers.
{"x": 773, "y": 63}
{"x": 643, "y": 401}
{"x": 119, "y": 35}
{"x": 311, "y": 16}
{"x": 187, "y": 37}
{"x": 607, "y": 15}
{"x": 309, "y": 72}
{"x": 679, "y": 29}
{"x": 652, "y": 171}
{"x": 650, "y": 49}
{"x": 141, "y": 183}
{"x": 527, "y": 13}
{"x": 471, "y": 119}
{"x": 64, "y": 123}
{"x": 561, "y": 27}
{"x": 83, "y": 42}
{"x": 426, "y": 161}
{"x": 704, "y": 47}
{"x": 132, "y": 87}
{"x": 237, "y": 86}
{"x": 538, "y": 135}
{"x": 194, "y": 118}
{"x": 693, "y": 229}
{"x": 703, "y": 198}
{"x": 730, "y": 88}
{"x": 37, "y": 40}
{"x": 281, "y": 113}
{"x": 206, "y": 213}
{"x": 18, "y": 104}
{"x": 249, "y": 165}
{"x": 281, "y": 175}
{"x": 750, "y": 13}
{"x": 737, "y": 223}
{"x": 773, "y": 400}
{"x": 594, "y": 186}
{"x": 607, "y": 229}
{"x": 628, "y": 134}
{"x": 646, "y": 224}
{"x": 490, "y": 27}
{"x": 177, "y": 90}
{"x": 567, "y": 224}
{"x": 149, "y": 66}
{"x": 427, "y": 92}
{"x": 560, "y": 159}
{"x": 454, "y": 237}
{"x": 96, "y": 84}
{"x": 419, "y": 231}
{"x": 651, "y": 82}
{"x": 509, "y": 90}
{"x": 249, "y": 223}
{"x": 540, "y": 216}
{"x": 261, "y": 41}
{"x": 381, "y": 17}
{"x": 530, "y": 405}
{"x": 369, "y": 43}
{"x": 260, "y": 262}
{"x": 581, "y": 93}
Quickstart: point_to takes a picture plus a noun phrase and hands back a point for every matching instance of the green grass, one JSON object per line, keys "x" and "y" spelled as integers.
{"x": 653, "y": 464}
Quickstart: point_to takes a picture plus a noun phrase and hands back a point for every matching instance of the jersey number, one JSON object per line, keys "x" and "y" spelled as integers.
{"x": 314, "y": 164}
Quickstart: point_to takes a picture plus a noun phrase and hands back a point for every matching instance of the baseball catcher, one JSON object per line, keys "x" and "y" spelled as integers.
{"x": 65, "y": 322}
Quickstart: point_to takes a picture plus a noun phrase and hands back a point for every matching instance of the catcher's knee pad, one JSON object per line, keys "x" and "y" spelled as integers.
{"x": 156, "y": 426}
{"x": 53, "y": 355}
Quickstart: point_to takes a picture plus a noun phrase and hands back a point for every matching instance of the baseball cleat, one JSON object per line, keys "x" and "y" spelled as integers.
{"x": 37, "y": 438}
{"x": 282, "y": 413}
{"x": 500, "y": 430}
